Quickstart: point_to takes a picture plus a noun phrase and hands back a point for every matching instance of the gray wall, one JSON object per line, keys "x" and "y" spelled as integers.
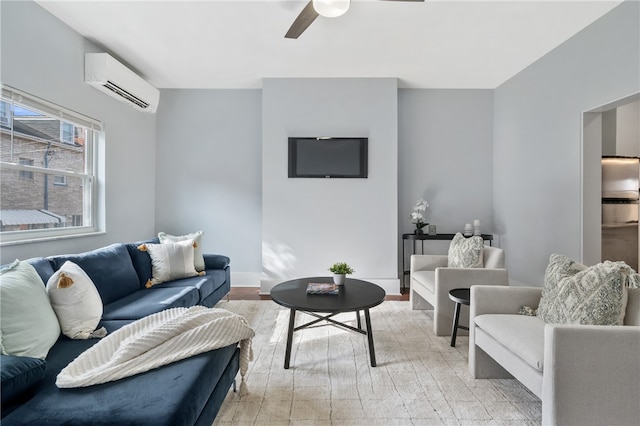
{"x": 621, "y": 130}
{"x": 209, "y": 173}
{"x": 628, "y": 129}
{"x": 309, "y": 224}
{"x": 537, "y": 139}
{"x": 445, "y": 156}
{"x": 44, "y": 57}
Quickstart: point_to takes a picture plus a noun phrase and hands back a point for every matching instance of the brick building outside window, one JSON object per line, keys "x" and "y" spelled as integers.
{"x": 46, "y": 177}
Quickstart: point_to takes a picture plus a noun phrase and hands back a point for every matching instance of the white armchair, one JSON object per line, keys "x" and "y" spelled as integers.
{"x": 431, "y": 281}
{"x": 584, "y": 374}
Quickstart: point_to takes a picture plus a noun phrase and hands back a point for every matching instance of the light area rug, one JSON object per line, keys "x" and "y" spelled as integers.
{"x": 419, "y": 379}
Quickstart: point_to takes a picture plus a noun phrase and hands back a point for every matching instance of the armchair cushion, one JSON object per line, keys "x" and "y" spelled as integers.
{"x": 522, "y": 335}
{"x": 426, "y": 278}
{"x": 466, "y": 252}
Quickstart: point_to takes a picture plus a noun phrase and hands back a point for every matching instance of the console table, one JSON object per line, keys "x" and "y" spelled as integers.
{"x": 422, "y": 237}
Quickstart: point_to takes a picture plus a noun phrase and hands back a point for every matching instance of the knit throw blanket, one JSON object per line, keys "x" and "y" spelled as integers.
{"x": 157, "y": 340}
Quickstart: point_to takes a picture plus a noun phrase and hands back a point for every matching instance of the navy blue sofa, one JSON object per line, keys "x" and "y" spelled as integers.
{"x": 187, "y": 392}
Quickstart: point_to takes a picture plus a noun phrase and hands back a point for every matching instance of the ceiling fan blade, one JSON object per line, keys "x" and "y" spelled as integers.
{"x": 302, "y": 22}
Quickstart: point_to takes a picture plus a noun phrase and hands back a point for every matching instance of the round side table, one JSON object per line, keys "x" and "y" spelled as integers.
{"x": 462, "y": 297}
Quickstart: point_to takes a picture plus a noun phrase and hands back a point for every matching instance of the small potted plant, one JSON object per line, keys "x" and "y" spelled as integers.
{"x": 417, "y": 217}
{"x": 340, "y": 271}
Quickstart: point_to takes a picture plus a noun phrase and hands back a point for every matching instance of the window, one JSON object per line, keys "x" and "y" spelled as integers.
{"x": 47, "y": 174}
{"x": 5, "y": 116}
{"x": 59, "y": 180}
{"x": 66, "y": 132}
{"x": 25, "y": 174}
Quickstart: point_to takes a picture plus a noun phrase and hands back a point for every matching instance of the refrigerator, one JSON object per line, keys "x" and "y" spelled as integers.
{"x": 620, "y": 196}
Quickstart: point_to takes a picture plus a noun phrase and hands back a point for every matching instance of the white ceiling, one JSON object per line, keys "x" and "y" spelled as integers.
{"x": 234, "y": 44}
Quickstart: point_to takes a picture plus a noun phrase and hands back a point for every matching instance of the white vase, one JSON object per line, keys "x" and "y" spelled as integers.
{"x": 339, "y": 278}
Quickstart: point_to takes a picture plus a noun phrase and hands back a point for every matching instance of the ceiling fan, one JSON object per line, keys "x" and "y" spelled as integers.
{"x": 315, "y": 8}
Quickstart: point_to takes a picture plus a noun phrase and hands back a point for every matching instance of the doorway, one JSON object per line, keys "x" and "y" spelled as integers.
{"x": 606, "y": 130}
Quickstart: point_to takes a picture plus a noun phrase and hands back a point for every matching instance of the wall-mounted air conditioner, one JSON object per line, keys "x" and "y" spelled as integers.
{"x": 108, "y": 75}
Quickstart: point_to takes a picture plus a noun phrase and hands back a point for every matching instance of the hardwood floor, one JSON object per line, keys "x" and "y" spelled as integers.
{"x": 252, "y": 293}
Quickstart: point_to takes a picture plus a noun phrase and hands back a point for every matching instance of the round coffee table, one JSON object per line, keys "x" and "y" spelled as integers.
{"x": 461, "y": 297}
{"x": 353, "y": 296}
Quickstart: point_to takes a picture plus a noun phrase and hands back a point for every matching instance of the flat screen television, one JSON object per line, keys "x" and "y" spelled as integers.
{"x": 313, "y": 157}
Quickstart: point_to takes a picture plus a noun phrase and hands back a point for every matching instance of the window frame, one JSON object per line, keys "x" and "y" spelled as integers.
{"x": 5, "y": 118}
{"x": 60, "y": 180}
{"x": 93, "y": 207}
{"x": 66, "y": 137}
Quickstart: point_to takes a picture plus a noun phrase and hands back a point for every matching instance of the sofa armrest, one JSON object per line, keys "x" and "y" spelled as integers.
{"x": 502, "y": 300}
{"x": 591, "y": 374}
{"x": 216, "y": 261}
{"x": 428, "y": 262}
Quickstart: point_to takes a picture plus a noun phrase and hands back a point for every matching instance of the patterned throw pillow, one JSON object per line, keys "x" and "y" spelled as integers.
{"x": 466, "y": 252}
{"x": 576, "y": 294}
{"x": 634, "y": 280}
{"x": 528, "y": 311}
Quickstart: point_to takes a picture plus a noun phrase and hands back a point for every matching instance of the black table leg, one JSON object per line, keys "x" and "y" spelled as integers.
{"x": 403, "y": 263}
{"x": 454, "y": 330}
{"x": 372, "y": 352}
{"x": 287, "y": 354}
{"x": 358, "y": 319}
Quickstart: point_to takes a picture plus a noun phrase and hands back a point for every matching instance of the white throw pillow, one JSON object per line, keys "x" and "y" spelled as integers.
{"x": 28, "y": 325}
{"x": 466, "y": 252}
{"x": 198, "y": 258}
{"x": 76, "y": 302}
{"x": 170, "y": 261}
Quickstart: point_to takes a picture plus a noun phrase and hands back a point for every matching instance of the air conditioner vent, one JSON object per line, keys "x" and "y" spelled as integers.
{"x": 121, "y": 92}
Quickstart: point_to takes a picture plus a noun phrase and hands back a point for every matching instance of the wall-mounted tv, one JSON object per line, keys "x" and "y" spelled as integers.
{"x": 326, "y": 157}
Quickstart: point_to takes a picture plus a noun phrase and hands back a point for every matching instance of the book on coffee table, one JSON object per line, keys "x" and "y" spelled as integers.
{"x": 322, "y": 288}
